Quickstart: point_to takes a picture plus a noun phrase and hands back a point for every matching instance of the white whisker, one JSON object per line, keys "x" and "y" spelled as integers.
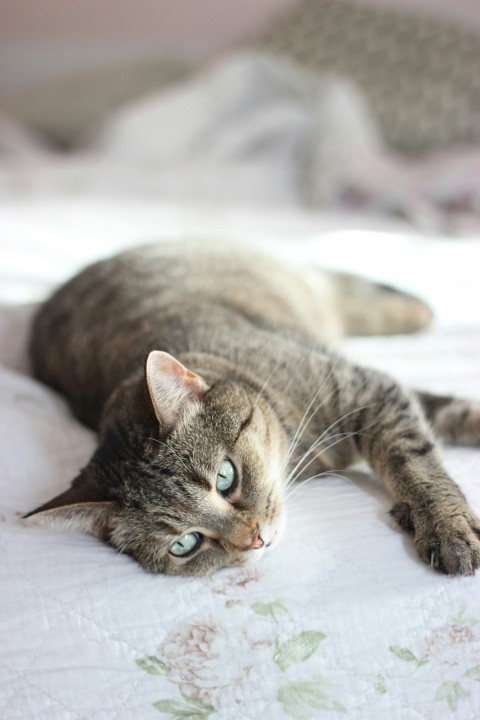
{"x": 267, "y": 380}
{"x": 325, "y": 437}
{"x": 120, "y": 552}
{"x": 332, "y": 473}
{"x": 292, "y": 477}
{"x": 314, "y": 446}
{"x": 304, "y": 422}
{"x": 296, "y": 439}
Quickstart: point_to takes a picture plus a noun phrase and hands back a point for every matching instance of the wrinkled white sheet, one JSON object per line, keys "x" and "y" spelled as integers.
{"x": 253, "y": 129}
{"x": 342, "y": 619}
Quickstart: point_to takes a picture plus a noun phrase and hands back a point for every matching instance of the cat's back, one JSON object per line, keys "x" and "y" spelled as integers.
{"x": 241, "y": 278}
{"x": 163, "y": 276}
{"x": 171, "y": 296}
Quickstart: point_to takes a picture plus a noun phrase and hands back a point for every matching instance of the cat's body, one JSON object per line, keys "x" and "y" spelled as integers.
{"x": 194, "y": 445}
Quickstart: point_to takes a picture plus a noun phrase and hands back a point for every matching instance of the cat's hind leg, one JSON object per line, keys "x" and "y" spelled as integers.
{"x": 455, "y": 420}
{"x": 369, "y": 308}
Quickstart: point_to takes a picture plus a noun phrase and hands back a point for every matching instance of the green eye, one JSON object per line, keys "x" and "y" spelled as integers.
{"x": 186, "y": 544}
{"x": 225, "y": 476}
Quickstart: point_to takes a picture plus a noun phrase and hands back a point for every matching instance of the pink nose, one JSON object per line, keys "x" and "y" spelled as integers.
{"x": 255, "y": 542}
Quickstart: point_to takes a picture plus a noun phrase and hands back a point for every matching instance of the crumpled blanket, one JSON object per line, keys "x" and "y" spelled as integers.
{"x": 253, "y": 129}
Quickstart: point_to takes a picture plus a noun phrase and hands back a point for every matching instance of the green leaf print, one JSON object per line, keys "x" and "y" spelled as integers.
{"x": 197, "y": 703}
{"x": 152, "y": 665}
{"x": 460, "y": 619}
{"x": 300, "y": 698}
{"x": 452, "y": 692}
{"x": 473, "y": 673}
{"x": 297, "y": 649}
{"x": 380, "y": 685}
{"x": 274, "y": 609}
{"x": 179, "y": 711}
{"x": 405, "y": 654}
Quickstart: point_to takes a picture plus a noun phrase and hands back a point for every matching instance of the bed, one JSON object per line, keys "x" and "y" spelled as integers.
{"x": 341, "y": 620}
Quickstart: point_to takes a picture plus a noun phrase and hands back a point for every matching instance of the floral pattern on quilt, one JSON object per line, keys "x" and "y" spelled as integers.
{"x": 214, "y": 670}
{"x": 443, "y": 653}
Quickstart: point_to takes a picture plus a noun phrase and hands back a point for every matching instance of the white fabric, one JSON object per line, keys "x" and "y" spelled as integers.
{"x": 341, "y": 619}
{"x": 259, "y": 130}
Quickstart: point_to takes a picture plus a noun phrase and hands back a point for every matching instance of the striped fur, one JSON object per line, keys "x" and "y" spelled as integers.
{"x": 256, "y": 337}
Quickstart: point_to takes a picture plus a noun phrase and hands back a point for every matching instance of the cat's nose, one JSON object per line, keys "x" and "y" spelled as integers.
{"x": 255, "y": 541}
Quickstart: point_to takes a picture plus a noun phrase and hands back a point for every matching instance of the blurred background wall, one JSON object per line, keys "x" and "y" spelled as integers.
{"x": 42, "y": 40}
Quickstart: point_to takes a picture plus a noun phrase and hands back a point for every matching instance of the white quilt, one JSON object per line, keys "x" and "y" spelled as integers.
{"x": 341, "y": 620}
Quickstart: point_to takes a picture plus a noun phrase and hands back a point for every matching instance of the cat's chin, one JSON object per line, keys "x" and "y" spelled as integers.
{"x": 253, "y": 556}
{"x": 273, "y": 540}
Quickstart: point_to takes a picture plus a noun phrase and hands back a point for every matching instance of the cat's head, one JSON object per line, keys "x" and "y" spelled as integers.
{"x": 188, "y": 475}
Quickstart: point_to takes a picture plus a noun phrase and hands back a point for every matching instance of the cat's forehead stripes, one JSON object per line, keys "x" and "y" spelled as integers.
{"x": 228, "y": 410}
{"x": 243, "y": 426}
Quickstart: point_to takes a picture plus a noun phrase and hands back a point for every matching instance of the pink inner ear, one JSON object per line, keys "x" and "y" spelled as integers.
{"x": 168, "y": 366}
{"x": 172, "y": 387}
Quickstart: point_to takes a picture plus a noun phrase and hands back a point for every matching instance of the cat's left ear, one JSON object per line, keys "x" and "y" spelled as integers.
{"x": 78, "y": 508}
{"x": 173, "y": 389}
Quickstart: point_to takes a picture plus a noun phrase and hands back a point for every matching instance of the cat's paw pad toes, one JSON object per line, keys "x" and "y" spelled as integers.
{"x": 451, "y": 546}
{"x": 402, "y": 513}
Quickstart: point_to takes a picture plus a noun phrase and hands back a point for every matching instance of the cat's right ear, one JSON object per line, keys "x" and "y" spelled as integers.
{"x": 174, "y": 390}
{"x": 78, "y": 508}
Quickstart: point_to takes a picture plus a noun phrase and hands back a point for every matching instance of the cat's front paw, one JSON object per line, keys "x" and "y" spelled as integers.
{"x": 448, "y": 541}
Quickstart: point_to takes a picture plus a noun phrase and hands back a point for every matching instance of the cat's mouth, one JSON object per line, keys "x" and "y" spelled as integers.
{"x": 271, "y": 534}
{"x": 259, "y": 542}
{"x": 269, "y": 537}
{"x": 273, "y": 539}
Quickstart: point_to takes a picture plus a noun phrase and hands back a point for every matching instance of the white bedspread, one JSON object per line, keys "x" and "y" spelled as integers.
{"x": 341, "y": 620}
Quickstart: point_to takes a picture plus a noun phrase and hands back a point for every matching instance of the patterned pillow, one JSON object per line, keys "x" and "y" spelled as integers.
{"x": 420, "y": 75}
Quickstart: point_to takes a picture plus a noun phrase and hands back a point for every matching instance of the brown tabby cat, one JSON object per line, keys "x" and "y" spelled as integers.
{"x": 204, "y": 370}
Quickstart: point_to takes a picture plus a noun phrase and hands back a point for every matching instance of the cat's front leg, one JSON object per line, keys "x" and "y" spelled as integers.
{"x": 392, "y": 433}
